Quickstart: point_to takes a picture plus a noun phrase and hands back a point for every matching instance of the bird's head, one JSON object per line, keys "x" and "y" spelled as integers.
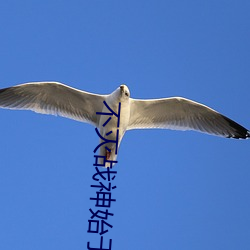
{"x": 124, "y": 91}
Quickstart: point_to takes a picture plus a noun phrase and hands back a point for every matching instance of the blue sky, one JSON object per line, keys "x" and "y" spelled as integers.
{"x": 175, "y": 190}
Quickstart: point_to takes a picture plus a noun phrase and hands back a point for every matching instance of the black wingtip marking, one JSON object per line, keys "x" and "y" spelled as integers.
{"x": 239, "y": 131}
{"x": 248, "y": 134}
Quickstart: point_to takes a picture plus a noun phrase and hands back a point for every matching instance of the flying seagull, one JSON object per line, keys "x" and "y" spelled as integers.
{"x": 167, "y": 113}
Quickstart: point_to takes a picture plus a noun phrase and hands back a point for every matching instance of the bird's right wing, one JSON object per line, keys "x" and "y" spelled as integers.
{"x": 182, "y": 114}
{"x": 53, "y": 98}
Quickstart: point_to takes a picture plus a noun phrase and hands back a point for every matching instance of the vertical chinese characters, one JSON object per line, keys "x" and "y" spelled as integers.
{"x": 104, "y": 178}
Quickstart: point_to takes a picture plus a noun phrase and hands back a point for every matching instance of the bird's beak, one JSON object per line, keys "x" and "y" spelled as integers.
{"x": 122, "y": 88}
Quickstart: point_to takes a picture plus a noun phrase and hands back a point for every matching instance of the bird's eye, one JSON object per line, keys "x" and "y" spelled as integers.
{"x": 126, "y": 93}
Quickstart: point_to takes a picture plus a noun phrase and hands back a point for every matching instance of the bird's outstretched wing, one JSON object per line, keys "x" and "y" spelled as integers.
{"x": 182, "y": 114}
{"x": 53, "y": 98}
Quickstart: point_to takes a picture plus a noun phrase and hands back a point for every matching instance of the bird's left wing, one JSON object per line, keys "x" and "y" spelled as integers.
{"x": 53, "y": 98}
{"x": 182, "y": 114}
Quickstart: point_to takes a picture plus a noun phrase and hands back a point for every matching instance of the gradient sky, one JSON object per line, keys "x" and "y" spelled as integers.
{"x": 175, "y": 190}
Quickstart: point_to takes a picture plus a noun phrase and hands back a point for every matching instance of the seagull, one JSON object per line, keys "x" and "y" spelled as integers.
{"x": 176, "y": 113}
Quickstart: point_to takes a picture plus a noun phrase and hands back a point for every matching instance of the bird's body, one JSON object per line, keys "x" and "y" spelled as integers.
{"x": 167, "y": 113}
{"x": 113, "y": 101}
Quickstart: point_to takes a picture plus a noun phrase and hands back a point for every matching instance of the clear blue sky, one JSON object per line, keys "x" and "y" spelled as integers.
{"x": 175, "y": 190}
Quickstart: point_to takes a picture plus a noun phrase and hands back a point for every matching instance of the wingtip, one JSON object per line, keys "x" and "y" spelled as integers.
{"x": 242, "y": 135}
{"x": 248, "y": 134}
{"x": 239, "y": 131}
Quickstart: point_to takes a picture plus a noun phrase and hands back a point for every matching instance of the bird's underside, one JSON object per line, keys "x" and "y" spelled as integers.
{"x": 167, "y": 113}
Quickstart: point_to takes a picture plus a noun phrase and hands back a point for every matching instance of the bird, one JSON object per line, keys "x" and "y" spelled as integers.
{"x": 175, "y": 113}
